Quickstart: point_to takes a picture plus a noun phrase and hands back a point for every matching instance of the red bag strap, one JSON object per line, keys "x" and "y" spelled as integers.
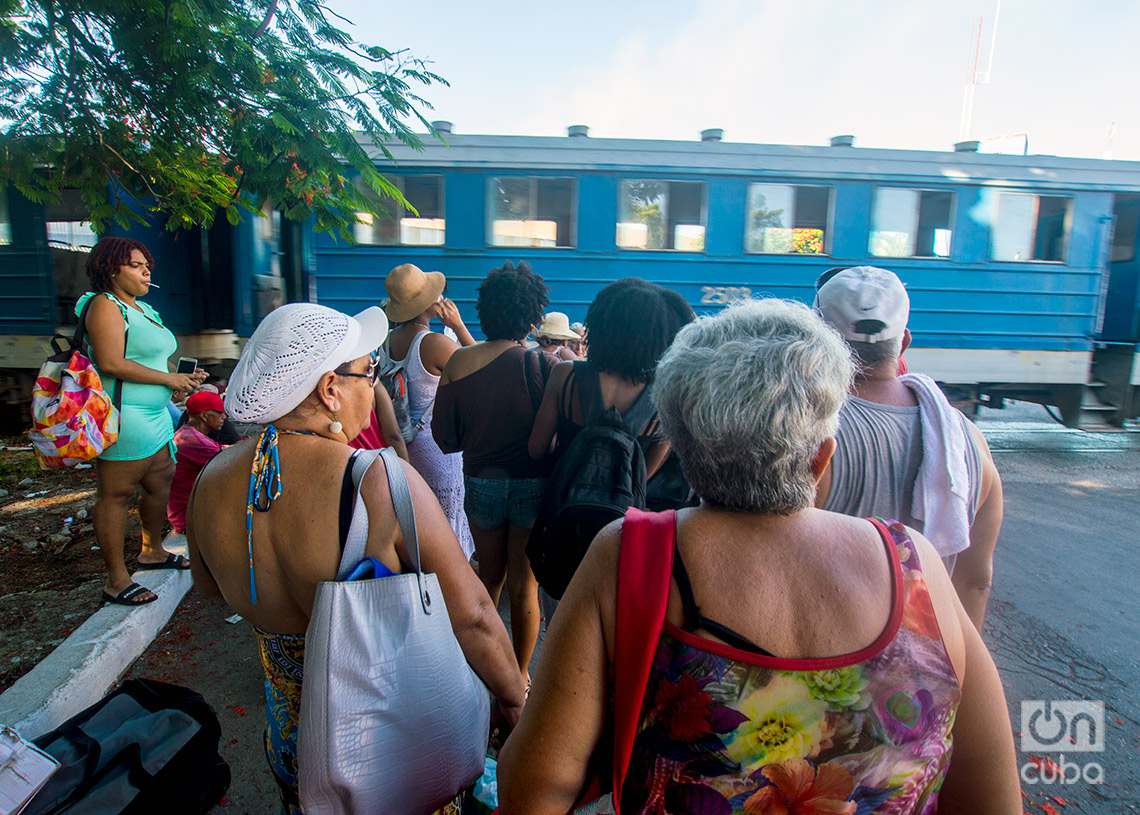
{"x": 645, "y": 568}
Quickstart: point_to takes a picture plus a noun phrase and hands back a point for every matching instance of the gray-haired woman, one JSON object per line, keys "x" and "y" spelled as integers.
{"x": 808, "y": 661}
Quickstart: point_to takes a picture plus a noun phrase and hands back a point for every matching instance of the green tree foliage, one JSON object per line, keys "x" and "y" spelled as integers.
{"x": 644, "y": 199}
{"x": 184, "y": 108}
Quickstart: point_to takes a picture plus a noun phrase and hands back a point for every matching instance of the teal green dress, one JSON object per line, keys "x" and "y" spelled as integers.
{"x": 144, "y": 424}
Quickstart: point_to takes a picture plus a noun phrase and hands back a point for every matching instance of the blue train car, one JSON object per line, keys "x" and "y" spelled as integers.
{"x": 214, "y": 285}
{"x": 1022, "y": 270}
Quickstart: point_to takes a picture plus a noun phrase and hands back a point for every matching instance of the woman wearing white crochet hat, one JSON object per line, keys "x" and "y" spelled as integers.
{"x": 415, "y": 298}
{"x": 306, "y": 374}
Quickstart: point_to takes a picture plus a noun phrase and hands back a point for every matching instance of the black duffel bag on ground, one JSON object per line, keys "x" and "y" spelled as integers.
{"x": 146, "y": 747}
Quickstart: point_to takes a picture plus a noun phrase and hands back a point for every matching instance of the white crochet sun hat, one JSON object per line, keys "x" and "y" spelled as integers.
{"x": 295, "y": 345}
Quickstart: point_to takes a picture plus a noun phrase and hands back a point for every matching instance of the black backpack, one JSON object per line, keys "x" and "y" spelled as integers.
{"x": 597, "y": 478}
{"x": 146, "y": 747}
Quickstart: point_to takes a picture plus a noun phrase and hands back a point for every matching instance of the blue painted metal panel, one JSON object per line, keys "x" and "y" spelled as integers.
{"x": 597, "y": 212}
{"x": 464, "y": 198}
{"x": 973, "y": 217}
{"x": 1122, "y": 301}
{"x": 173, "y": 253}
{"x": 726, "y": 209}
{"x": 28, "y": 305}
{"x": 851, "y": 224}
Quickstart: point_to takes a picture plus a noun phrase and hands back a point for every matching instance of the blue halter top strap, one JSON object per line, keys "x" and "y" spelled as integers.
{"x": 264, "y": 487}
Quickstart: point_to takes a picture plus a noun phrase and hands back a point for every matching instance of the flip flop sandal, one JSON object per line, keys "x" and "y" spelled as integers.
{"x": 127, "y": 596}
{"x": 172, "y": 561}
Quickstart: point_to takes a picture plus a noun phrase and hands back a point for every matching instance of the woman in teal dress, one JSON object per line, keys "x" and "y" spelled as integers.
{"x": 130, "y": 344}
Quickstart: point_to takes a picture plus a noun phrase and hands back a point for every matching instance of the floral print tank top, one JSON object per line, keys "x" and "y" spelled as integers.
{"x": 725, "y": 731}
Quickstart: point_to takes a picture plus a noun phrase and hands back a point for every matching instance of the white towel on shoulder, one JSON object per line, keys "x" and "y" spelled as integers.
{"x": 941, "y": 497}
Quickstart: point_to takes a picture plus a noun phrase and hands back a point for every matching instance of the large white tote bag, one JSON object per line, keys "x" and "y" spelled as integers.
{"x": 393, "y": 719}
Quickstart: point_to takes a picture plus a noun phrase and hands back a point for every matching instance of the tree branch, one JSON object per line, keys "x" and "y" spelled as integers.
{"x": 128, "y": 165}
{"x": 268, "y": 17}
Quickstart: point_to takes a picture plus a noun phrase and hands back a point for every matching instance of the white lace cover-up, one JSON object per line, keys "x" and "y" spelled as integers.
{"x": 442, "y": 471}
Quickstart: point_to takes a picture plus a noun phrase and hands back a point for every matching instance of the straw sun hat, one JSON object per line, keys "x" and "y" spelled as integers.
{"x": 556, "y": 326}
{"x": 410, "y": 291}
{"x": 293, "y": 347}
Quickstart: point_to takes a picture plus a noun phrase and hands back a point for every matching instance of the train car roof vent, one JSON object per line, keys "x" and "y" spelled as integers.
{"x": 442, "y": 126}
{"x": 712, "y": 134}
{"x": 967, "y": 146}
{"x": 578, "y": 131}
{"x": 843, "y": 141}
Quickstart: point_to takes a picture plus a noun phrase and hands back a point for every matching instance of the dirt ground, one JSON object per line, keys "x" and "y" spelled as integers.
{"x": 52, "y": 569}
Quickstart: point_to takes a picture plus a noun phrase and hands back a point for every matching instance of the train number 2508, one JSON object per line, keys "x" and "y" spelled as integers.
{"x": 723, "y": 295}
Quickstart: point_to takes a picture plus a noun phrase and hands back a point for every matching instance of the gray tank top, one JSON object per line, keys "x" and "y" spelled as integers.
{"x": 877, "y": 459}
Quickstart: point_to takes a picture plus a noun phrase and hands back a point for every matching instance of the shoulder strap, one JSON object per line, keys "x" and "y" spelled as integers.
{"x": 357, "y": 537}
{"x": 589, "y": 392}
{"x": 645, "y": 563}
{"x": 77, "y": 341}
{"x": 406, "y": 517}
{"x": 414, "y": 345}
{"x": 390, "y": 366}
{"x": 641, "y": 411}
{"x": 535, "y": 398}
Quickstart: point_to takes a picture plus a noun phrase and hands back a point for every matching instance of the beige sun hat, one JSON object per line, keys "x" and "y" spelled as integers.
{"x": 410, "y": 291}
{"x": 556, "y": 326}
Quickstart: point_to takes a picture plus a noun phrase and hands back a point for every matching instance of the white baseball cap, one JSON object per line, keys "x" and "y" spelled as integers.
{"x": 865, "y": 303}
{"x": 293, "y": 347}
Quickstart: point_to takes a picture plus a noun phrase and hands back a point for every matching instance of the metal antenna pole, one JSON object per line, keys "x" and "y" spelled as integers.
{"x": 973, "y": 79}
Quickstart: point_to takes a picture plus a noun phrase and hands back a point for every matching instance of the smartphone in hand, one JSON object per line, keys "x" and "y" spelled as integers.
{"x": 187, "y": 365}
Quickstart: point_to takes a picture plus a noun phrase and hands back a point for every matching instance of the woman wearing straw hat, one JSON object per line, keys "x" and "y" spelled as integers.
{"x": 414, "y": 298}
{"x": 554, "y": 334}
{"x": 307, "y": 375}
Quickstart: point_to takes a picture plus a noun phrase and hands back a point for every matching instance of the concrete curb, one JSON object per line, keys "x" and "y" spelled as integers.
{"x": 86, "y": 665}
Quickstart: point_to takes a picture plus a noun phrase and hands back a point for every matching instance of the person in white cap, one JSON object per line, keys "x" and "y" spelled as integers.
{"x": 415, "y": 298}
{"x": 903, "y": 451}
{"x": 554, "y": 334}
{"x": 269, "y": 515}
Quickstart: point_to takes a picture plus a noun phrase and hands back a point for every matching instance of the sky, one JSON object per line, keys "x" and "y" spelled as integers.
{"x": 890, "y": 72}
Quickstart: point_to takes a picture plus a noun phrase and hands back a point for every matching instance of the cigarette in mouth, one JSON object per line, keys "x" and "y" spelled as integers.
{"x": 154, "y": 285}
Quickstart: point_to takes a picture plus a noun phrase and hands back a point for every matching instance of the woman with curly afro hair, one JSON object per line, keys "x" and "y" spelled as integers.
{"x": 485, "y": 406}
{"x": 131, "y": 349}
{"x": 630, "y": 324}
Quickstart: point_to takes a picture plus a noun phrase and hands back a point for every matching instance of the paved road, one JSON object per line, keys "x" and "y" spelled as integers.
{"x": 1062, "y": 623}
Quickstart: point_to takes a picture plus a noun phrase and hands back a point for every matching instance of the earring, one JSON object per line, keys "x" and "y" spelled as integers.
{"x": 335, "y": 426}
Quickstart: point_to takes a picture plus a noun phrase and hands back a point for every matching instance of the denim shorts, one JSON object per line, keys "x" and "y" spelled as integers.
{"x": 491, "y": 502}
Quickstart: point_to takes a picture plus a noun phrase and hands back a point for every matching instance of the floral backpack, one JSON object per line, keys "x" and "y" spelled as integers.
{"x": 74, "y": 418}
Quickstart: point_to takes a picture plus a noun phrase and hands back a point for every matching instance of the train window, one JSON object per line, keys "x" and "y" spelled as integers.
{"x": 5, "y": 221}
{"x": 425, "y": 226}
{"x": 68, "y": 229}
{"x": 782, "y": 219}
{"x": 530, "y": 211}
{"x": 909, "y": 223}
{"x": 1031, "y": 227}
{"x": 1127, "y": 211}
{"x": 661, "y": 215}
